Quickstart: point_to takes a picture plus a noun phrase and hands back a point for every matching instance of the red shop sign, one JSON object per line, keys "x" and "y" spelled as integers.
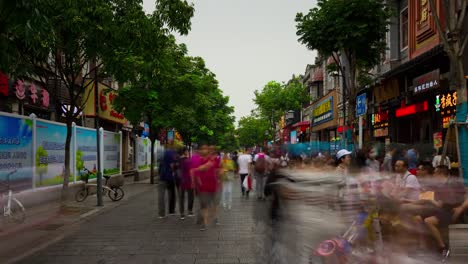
{"x": 412, "y": 109}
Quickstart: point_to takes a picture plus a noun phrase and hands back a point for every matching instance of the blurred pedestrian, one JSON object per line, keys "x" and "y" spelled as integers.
{"x": 186, "y": 185}
{"x": 245, "y": 169}
{"x": 227, "y": 178}
{"x": 437, "y": 160}
{"x": 207, "y": 185}
{"x": 262, "y": 164}
{"x": 167, "y": 183}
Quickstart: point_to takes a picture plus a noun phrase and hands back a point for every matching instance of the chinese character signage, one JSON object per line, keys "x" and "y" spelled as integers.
{"x": 105, "y": 99}
{"x": 37, "y": 95}
{"x": 380, "y": 124}
{"x": 427, "y": 81}
{"x": 323, "y": 112}
{"x": 423, "y": 12}
{"x": 446, "y": 104}
{"x": 422, "y": 34}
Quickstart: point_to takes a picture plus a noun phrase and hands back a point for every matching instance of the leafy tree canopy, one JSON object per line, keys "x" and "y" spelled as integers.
{"x": 275, "y": 99}
{"x": 251, "y": 131}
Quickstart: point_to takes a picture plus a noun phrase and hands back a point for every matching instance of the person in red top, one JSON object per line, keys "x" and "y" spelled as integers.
{"x": 207, "y": 184}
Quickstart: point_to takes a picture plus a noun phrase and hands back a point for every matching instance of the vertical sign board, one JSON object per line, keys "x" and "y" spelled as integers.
{"x": 16, "y": 152}
{"x": 361, "y": 104}
{"x": 50, "y": 153}
{"x": 112, "y": 155}
{"x": 143, "y": 153}
{"x": 86, "y": 151}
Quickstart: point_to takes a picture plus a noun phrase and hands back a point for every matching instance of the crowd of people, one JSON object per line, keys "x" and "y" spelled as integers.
{"x": 416, "y": 198}
{"x": 205, "y": 176}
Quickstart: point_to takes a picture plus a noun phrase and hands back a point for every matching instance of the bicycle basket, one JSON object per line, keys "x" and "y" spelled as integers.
{"x": 116, "y": 181}
{"x": 84, "y": 177}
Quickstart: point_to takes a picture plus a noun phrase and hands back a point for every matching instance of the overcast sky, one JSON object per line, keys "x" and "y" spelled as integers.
{"x": 247, "y": 43}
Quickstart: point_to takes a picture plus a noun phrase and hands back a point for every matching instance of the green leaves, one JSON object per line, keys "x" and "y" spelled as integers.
{"x": 251, "y": 131}
{"x": 275, "y": 99}
{"x": 356, "y": 27}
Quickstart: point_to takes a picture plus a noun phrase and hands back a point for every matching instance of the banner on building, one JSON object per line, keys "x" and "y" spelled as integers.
{"x": 16, "y": 157}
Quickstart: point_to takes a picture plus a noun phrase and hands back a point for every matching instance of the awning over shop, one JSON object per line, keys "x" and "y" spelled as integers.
{"x": 301, "y": 124}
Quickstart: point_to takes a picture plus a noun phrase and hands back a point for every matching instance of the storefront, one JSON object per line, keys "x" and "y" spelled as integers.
{"x": 302, "y": 130}
{"x": 323, "y": 122}
{"x": 24, "y": 98}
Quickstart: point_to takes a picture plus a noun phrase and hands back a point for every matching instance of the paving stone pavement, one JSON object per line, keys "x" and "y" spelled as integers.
{"x": 132, "y": 233}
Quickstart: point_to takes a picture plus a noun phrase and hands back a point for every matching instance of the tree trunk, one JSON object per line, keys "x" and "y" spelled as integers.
{"x": 66, "y": 172}
{"x": 351, "y": 94}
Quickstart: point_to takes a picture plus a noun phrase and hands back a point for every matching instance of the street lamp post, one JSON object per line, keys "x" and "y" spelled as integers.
{"x": 98, "y": 140}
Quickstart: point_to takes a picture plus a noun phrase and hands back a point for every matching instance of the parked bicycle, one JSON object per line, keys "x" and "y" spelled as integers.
{"x": 112, "y": 189}
{"x": 13, "y": 209}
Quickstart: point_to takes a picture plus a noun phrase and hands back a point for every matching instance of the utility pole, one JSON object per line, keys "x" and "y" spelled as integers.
{"x": 98, "y": 140}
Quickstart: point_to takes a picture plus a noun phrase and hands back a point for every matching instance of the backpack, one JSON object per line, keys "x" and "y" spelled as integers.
{"x": 260, "y": 164}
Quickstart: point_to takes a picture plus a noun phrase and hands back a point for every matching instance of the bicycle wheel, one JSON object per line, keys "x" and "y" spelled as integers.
{"x": 81, "y": 195}
{"x": 18, "y": 213}
{"x": 116, "y": 194}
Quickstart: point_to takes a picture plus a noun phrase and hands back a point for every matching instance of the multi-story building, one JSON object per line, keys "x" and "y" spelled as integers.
{"x": 411, "y": 101}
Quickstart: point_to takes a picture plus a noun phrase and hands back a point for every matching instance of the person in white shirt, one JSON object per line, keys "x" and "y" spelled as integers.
{"x": 244, "y": 162}
{"x": 437, "y": 160}
{"x": 407, "y": 185}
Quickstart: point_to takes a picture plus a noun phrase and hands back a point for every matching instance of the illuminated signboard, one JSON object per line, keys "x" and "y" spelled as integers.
{"x": 446, "y": 104}
{"x": 380, "y": 124}
{"x": 323, "y": 112}
{"x": 412, "y": 109}
{"x": 427, "y": 81}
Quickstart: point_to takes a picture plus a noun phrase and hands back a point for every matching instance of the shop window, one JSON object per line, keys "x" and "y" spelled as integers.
{"x": 404, "y": 28}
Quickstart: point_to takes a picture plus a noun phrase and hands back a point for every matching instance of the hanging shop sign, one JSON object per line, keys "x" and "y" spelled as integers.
{"x": 323, "y": 112}
{"x": 412, "y": 109}
{"x": 446, "y": 104}
{"x": 438, "y": 142}
{"x": 380, "y": 124}
{"x": 427, "y": 81}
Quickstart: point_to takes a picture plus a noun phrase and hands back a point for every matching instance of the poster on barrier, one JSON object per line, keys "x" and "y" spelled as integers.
{"x": 50, "y": 153}
{"x": 86, "y": 152}
{"x": 143, "y": 153}
{"x": 112, "y": 156}
{"x": 16, "y": 158}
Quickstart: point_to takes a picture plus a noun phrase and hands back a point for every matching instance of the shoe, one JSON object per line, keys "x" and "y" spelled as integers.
{"x": 445, "y": 252}
{"x": 190, "y": 214}
{"x": 216, "y": 221}
{"x": 182, "y": 217}
{"x": 203, "y": 228}
{"x": 162, "y": 217}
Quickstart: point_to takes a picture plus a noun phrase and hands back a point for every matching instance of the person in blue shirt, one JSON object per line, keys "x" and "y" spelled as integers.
{"x": 167, "y": 182}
